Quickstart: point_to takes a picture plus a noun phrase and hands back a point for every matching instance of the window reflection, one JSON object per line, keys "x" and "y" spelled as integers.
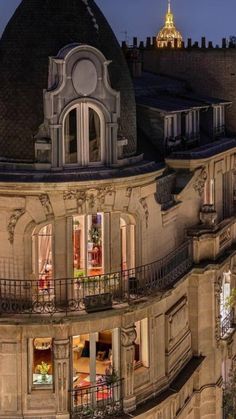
{"x": 94, "y": 137}
{"x": 71, "y": 137}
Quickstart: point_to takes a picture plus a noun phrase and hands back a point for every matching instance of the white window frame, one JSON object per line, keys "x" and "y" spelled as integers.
{"x": 144, "y": 343}
{"x": 219, "y": 116}
{"x": 82, "y": 113}
{"x": 173, "y": 120}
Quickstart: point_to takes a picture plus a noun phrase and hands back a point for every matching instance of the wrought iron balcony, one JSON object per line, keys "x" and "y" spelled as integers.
{"x": 102, "y": 400}
{"x": 227, "y": 323}
{"x": 94, "y": 293}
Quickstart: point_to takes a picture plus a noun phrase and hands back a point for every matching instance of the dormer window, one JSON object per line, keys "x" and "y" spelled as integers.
{"x": 84, "y": 132}
{"x": 219, "y": 119}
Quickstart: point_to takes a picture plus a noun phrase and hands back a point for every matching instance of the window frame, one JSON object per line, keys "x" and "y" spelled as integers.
{"x": 82, "y": 115}
{"x": 31, "y": 385}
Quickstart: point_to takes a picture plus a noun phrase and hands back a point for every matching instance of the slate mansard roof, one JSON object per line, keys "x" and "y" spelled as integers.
{"x": 38, "y": 30}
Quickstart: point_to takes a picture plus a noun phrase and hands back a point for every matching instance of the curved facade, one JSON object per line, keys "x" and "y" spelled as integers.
{"x": 114, "y": 272}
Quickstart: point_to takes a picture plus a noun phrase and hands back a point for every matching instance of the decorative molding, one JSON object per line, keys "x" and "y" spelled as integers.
{"x": 46, "y": 204}
{"x": 91, "y": 197}
{"x": 225, "y": 237}
{"x": 12, "y": 223}
{"x": 144, "y": 204}
{"x": 128, "y": 336}
{"x": 128, "y": 192}
{"x": 61, "y": 349}
{"x": 200, "y": 182}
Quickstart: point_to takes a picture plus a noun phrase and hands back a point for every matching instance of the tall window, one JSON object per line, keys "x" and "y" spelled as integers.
{"x": 88, "y": 245}
{"x": 225, "y": 294}
{"x": 83, "y": 136}
{"x": 141, "y": 357}
{"x": 42, "y": 259}
{"x": 170, "y": 122}
{"x": 42, "y": 362}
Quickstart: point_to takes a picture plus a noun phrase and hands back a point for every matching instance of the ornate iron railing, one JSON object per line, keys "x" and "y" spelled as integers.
{"x": 103, "y": 400}
{"x": 227, "y": 323}
{"x": 94, "y": 293}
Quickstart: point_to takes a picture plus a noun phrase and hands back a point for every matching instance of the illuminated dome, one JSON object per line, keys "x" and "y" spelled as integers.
{"x": 168, "y": 34}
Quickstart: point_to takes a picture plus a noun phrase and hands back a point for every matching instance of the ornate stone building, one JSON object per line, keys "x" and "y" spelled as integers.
{"x": 116, "y": 258}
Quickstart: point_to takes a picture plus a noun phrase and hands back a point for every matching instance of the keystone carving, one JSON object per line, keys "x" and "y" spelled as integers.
{"x": 128, "y": 336}
{"x": 144, "y": 204}
{"x": 12, "y": 223}
{"x": 200, "y": 182}
{"x": 46, "y": 204}
{"x": 91, "y": 196}
{"x": 61, "y": 349}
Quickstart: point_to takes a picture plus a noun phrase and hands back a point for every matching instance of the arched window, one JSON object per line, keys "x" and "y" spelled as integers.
{"x": 84, "y": 132}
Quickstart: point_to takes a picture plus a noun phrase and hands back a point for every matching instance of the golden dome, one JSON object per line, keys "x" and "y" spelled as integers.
{"x": 169, "y": 33}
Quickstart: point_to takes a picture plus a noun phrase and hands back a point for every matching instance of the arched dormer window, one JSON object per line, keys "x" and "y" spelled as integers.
{"x": 84, "y": 135}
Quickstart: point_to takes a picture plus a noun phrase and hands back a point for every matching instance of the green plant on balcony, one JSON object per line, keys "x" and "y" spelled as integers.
{"x": 231, "y": 300}
{"x": 95, "y": 235}
{"x": 111, "y": 375}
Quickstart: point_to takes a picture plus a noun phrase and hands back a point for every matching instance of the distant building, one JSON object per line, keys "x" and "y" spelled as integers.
{"x": 169, "y": 36}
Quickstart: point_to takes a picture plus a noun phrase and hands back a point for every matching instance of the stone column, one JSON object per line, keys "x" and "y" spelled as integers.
{"x": 128, "y": 336}
{"x": 61, "y": 351}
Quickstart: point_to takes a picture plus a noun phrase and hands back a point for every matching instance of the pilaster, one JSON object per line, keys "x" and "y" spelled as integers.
{"x": 128, "y": 336}
{"x": 61, "y": 365}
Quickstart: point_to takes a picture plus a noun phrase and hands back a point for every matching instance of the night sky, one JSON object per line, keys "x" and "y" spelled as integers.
{"x": 194, "y": 18}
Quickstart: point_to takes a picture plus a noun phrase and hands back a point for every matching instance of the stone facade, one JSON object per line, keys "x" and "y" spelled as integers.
{"x": 183, "y": 322}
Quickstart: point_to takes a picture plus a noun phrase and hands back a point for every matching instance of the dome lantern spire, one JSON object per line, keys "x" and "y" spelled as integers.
{"x": 168, "y": 34}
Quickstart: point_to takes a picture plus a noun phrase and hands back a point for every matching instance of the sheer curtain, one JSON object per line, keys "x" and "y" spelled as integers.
{"x": 45, "y": 249}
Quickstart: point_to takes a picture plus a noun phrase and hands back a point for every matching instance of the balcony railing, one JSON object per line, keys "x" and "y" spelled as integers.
{"x": 101, "y": 401}
{"x": 94, "y": 293}
{"x": 227, "y": 323}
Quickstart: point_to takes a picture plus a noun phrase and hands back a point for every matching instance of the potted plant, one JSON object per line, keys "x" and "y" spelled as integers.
{"x": 111, "y": 376}
{"x": 43, "y": 369}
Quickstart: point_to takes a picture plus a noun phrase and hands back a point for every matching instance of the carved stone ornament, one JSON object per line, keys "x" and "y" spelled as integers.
{"x": 61, "y": 349}
{"x": 12, "y": 223}
{"x": 200, "y": 182}
{"x": 208, "y": 216}
{"x": 93, "y": 197}
{"x": 128, "y": 336}
{"x": 144, "y": 204}
{"x": 46, "y": 204}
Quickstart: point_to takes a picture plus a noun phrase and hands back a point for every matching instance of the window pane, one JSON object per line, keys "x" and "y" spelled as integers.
{"x": 79, "y": 246}
{"x": 95, "y": 244}
{"x": 42, "y": 367}
{"x": 45, "y": 259}
{"x": 94, "y": 137}
{"x": 70, "y": 137}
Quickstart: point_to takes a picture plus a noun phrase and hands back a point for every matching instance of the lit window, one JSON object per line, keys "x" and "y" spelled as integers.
{"x": 42, "y": 362}
{"x": 88, "y": 234}
{"x": 83, "y": 133}
{"x": 141, "y": 356}
{"x": 43, "y": 260}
